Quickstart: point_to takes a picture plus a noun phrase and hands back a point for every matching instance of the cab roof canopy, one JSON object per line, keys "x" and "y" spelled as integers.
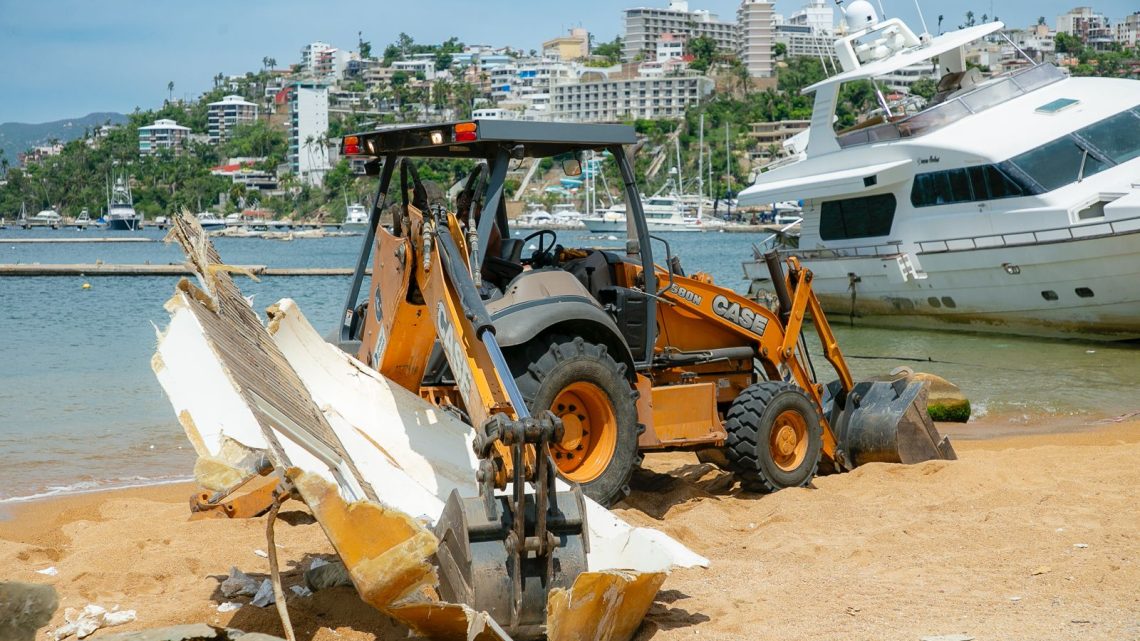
{"x": 537, "y": 139}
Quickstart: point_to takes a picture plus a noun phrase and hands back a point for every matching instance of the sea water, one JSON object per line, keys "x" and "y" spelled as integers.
{"x": 80, "y": 408}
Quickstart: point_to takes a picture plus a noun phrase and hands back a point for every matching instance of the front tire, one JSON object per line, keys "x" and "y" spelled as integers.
{"x": 583, "y": 385}
{"x": 774, "y": 437}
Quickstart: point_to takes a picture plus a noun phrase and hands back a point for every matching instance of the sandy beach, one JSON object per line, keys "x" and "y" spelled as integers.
{"x": 1025, "y": 537}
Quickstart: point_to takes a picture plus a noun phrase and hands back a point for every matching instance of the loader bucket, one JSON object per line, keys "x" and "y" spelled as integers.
{"x": 884, "y": 422}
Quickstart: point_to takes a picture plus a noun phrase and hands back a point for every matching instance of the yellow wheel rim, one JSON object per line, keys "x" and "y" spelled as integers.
{"x": 787, "y": 440}
{"x": 590, "y": 437}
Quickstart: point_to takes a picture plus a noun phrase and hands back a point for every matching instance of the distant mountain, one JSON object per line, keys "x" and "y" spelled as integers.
{"x": 18, "y": 137}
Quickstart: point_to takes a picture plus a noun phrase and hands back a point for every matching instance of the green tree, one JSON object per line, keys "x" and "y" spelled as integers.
{"x": 170, "y": 91}
{"x": 925, "y": 87}
{"x": 363, "y": 46}
{"x": 609, "y": 52}
{"x": 443, "y": 61}
{"x": 704, "y": 51}
{"x": 780, "y": 50}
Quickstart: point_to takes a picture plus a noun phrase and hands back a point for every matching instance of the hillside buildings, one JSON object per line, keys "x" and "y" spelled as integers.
{"x": 163, "y": 134}
{"x": 644, "y": 26}
{"x": 229, "y": 112}
{"x": 308, "y": 131}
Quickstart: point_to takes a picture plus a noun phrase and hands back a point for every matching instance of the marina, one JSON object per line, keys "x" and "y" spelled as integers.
{"x": 744, "y": 323}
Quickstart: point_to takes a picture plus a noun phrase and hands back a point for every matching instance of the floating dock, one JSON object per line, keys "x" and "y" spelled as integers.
{"x": 17, "y": 241}
{"x": 172, "y": 269}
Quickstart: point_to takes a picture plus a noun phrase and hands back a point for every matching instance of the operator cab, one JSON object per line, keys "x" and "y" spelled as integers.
{"x": 515, "y": 274}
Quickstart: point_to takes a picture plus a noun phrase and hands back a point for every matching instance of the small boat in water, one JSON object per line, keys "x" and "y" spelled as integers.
{"x": 83, "y": 220}
{"x": 355, "y": 217}
{"x": 121, "y": 214}
{"x": 210, "y": 221}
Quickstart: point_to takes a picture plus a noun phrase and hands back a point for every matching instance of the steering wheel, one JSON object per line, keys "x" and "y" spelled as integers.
{"x": 541, "y": 256}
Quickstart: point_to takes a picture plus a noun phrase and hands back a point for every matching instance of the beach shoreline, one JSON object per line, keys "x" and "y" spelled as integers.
{"x": 987, "y": 545}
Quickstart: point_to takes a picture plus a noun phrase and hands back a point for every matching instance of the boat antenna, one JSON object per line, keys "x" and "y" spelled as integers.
{"x": 921, "y": 18}
{"x": 882, "y": 13}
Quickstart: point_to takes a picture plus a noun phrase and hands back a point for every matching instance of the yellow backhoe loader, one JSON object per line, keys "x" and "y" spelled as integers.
{"x": 576, "y": 361}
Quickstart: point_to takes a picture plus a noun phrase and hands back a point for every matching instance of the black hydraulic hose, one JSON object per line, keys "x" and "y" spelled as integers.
{"x": 776, "y": 271}
{"x": 473, "y": 308}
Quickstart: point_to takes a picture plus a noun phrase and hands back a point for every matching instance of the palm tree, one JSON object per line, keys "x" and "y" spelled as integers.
{"x": 265, "y": 62}
{"x": 170, "y": 91}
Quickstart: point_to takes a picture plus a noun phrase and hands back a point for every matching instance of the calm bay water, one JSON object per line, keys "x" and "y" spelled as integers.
{"x": 80, "y": 408}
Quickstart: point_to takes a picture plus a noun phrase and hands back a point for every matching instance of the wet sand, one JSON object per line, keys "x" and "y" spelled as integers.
{"x": 986, "y": 546}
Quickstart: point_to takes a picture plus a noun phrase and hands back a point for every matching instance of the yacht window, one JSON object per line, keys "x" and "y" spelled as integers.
{"x": 863, "y": 217}
{"x": 985, "y": 182}
{"x": 1058, "y": 163}
{"x": 1117, "y": 137}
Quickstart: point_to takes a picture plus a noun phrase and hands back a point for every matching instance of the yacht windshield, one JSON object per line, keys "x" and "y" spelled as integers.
{"x": 1117, "y": 138}
{"x": 1058, "y": 163}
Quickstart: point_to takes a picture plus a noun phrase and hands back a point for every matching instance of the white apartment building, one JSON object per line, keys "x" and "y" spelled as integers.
{"x": 229, "y": 112}
{"x": 1127, "y": 31}
{"x": 1091, "y": 27}
{"x": 817, "y": 14}
{"x": 163, "y": 134}
{"x": 670, "y": 46}
{"x": 902, "y": 79}
{"x": 757, "y": 37}
{"x": 801, "y": 40}
{"x": 322, "y": 60}
{"x": 622, "y": 99}
{"x": 308, "y": 129}
{"x": 644, "y": 26}
{"x": 420, "y": 64}
{"x": 529, "y": 76}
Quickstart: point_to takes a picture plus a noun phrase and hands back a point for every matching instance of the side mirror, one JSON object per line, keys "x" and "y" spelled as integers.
{"x": 572, "y": 167}
{"x": 571, "y": 164}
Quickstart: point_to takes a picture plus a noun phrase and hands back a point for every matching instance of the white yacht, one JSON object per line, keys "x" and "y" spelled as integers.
{"x": 535, "y": 217}
{"x": 355, "y": 217}
{"x": 565, "y": 215}
{"x": 210, "y": 221}
{"x": 121, "y": 214}
{"x": 47, "y": 216}
{"x": 662, "y": 213}
{"x": 1007, "y": 204}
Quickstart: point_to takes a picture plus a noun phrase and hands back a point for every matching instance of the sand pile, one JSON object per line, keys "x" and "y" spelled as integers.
{"x": 1023, "y": 538}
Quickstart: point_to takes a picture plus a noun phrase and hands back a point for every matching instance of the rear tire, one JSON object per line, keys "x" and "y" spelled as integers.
{"x": 774, "y": 437}
{"x": 583, "y": 385}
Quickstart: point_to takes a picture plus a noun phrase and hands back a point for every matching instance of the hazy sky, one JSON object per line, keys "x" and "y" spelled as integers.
{"x": 65, "y": 58}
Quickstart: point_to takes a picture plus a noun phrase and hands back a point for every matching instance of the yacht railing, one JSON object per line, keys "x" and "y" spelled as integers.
{"x": 988, "y": 95}
{"x": 884, "y": 250}
{"x": 1041, "y": 236}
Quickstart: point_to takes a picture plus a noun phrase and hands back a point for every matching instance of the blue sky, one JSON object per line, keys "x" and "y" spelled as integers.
{"x": 65, "y": 58}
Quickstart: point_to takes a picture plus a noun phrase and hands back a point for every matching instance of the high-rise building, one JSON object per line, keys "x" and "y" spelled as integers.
{"x": 1091, "y": 27}
{"x": 163, "y": 134}
{"x": 817, "y": 14}
{"x": 229, "y": 112}
{"x": 757, "y": 37}
{"x": 644, "y": 26}
{"x": 615, "y": 100}
{"x": 322, "y": 60}
{"x": 308, "y": 131}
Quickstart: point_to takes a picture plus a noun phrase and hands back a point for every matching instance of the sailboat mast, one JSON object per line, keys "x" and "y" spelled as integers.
{"x": 701, "y": 168}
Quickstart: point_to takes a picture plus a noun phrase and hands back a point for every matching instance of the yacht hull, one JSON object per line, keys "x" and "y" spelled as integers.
{"x": 1081, "y": 288}
{"x": 124, "y": 224}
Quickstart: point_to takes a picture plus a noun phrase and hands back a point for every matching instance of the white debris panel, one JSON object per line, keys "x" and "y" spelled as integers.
{"x": 367, "y": 456}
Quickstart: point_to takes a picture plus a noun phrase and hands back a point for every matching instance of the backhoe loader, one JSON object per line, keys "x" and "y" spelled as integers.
{"x": 627, "y": 352}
